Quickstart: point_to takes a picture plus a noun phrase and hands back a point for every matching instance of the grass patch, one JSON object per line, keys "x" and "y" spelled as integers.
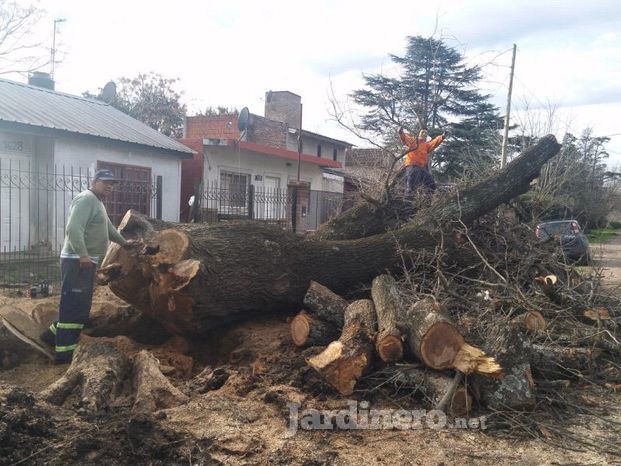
{"x": 601, "y": 235}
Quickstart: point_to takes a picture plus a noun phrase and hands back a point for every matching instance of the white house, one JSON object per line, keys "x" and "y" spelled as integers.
{"x": 50, "y": 145}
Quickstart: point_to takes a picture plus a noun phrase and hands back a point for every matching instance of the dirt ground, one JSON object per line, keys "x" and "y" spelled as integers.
{"x": 608, "y": 256}
{"x": 242, "y": 381}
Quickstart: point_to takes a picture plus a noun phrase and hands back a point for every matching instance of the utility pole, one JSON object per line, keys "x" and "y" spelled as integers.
{"x": 300, "y": 143}
{"x": 53, "y": 57}
{"x": 503, "y": 153}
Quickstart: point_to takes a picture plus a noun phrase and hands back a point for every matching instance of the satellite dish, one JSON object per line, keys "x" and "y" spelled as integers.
{"x": 243, "y": 119}
{"x": 108, "y": 93}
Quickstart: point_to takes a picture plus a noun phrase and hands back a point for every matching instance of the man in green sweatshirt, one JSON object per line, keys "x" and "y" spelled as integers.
{"x": 88, "y": 234}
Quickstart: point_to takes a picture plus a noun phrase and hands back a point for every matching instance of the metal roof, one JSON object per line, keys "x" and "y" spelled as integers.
{"x": 44, "y": 108}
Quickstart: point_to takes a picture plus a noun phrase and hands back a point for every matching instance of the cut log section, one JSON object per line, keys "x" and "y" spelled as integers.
{"x": 557, "y": 362}
{"x": 308, "y": 330}
{"x": 532, "y": 321}
{"x": 516, "y": 389}
{"x": 325, "y": 304}
{"x": 343, "y": 362}
{"x": 389, "y": 342}
{"x": 432, "y": 337}
{"x": 434, "y": 386}
{"x": 435, "y": 340}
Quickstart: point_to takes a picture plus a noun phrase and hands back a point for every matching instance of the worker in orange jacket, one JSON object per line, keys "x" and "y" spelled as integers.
{"x": 417, "y": 160}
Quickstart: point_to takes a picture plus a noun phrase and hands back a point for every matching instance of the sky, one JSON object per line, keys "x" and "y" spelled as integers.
{"x": 230, "y": 53}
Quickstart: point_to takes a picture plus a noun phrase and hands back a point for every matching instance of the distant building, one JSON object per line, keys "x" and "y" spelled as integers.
{"x": 265, "y": 156}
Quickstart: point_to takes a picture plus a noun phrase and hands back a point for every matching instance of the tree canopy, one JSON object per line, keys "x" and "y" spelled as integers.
{"x": 152, "y": 99}
{"x": 435, "y": 89}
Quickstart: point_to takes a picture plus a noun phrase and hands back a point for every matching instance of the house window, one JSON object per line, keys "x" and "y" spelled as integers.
{"x": 234, "y": 187}
{"x": 334, "y": 154}
{"x": 133, "y": 192}
{"x": 318, "y": 150}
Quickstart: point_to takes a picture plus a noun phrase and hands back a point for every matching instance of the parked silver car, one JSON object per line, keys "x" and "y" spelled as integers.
{"x": 569, "y": 235}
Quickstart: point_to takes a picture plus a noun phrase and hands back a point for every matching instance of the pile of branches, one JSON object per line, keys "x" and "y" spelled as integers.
{"x": 510, "y": 334}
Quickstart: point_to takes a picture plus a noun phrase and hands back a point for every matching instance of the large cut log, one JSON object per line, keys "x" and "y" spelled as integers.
{"x": 191, "y": 278}
{"x": 389, "y": 342}
{"x": 325, "y": 304}
{"x": 343, "y": 362}
{"x": 516, "y": 389}
{"x": 308, "y": 330}
{"x": 434, "y": 386}
{"x": 553, "y": 362}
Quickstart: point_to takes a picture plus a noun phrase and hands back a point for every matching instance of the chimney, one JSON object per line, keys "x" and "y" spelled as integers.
{"x": 41, "y": 79}
{"x": 283, "y": 106}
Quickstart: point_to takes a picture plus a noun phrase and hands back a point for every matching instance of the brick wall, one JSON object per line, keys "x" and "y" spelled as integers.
{"x": 267, "y": 132}
{"x": 212, "y": 127}
{"x": 283, "y": 106}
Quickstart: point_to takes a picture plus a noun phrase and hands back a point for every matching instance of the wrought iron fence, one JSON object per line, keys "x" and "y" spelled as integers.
{"x": 218, "y": 203}
{"x": 34, "y": 206}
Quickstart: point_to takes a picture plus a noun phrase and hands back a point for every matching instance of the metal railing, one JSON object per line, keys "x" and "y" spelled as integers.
{"x": 34, "y": 206}
{"x": 218, "y": 203}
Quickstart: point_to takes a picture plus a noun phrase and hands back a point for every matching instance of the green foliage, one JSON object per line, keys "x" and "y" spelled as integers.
{"x": 574, "y": 184}
{"x": 152, "y": 99}
{"x": 614, "y": 225}
{"x": 437, "y": 90}
{"x": 601, "y": 235}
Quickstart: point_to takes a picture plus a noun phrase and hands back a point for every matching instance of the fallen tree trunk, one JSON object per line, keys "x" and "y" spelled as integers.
{"x": 191, "y": 278}
{"x": 389, "y": 342}
{"x": 343, "y": 362}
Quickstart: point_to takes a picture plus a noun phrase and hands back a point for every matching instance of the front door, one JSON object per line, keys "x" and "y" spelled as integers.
{"x": 133, "y": 192}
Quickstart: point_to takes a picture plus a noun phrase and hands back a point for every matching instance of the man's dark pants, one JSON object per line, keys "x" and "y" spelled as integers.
{"x": 75, "y": 305}
{"x": 419, "y": 176}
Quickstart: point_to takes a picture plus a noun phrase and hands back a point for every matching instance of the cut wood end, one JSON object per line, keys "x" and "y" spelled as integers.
{"x": 183, "y": 272}
{"x": 390, "y": 348}
{"x": 332, "y": 352}
{"x": 300, "y": 329}
{"x": 598, "y": 312}
{"x": 470, "y": 359}
{"x": 535, "y": 321}
{"x": 441, "y": 345}
{"x": 169, "y": 245}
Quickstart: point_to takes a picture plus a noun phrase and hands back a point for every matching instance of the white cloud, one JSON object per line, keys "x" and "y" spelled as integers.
{"x": 231, "y": 53}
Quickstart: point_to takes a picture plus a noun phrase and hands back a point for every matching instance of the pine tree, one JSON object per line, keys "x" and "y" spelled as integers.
{"x": 437, "y": 90}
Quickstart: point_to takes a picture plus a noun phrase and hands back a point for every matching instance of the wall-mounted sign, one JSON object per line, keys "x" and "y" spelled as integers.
{"x": 13, "y": 146}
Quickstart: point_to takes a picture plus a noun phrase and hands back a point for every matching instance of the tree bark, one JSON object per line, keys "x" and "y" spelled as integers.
{"x": 343, "y": 362}
{"x": 325, "y": 304}
{"x": 389, "y": 342}
{"x": 308, "y": 330}
{"x": 516, "y": 389}
{"x": 191, "y": 278}
{"x": 553, "y": 362}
